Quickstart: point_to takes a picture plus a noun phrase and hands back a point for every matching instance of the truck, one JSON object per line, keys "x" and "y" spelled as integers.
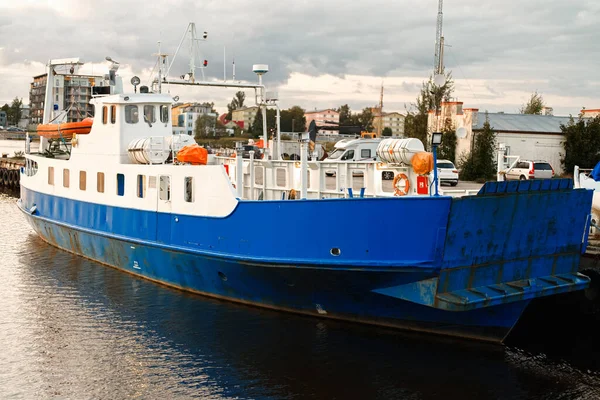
{"x": 356, "y": 150}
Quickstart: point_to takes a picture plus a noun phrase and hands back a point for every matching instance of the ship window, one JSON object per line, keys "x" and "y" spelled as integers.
{"x": 100, "y": 182}
{"x": 164, "y": 114}
{"x": 104, "y": 115}
{"x": 141, "y": 186}
{"x": 82, "y": 183}
{"x": 66, "y": 178}
{"x": 120, "y": 184}
{"x": 164, "y": 190}
{"x": 113, "y": 114}
{"x": 189, "y": 189}
{"x": 365, "y": 153}
{"x": 131, "y": 114}
{"x": 149, "y": 114}
{"x": 51, "y": 176}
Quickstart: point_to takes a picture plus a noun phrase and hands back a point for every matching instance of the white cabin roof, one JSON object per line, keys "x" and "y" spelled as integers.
{"x": 134, "y": 98}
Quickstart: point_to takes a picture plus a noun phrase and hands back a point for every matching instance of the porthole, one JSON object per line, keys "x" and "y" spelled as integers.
{"x": 335, "y": 251}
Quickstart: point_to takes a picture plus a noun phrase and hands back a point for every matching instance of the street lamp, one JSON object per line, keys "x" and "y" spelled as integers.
{"x": 436, "y": 140}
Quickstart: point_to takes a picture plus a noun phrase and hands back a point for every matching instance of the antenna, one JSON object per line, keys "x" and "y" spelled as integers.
{"x": 234, "y": 69}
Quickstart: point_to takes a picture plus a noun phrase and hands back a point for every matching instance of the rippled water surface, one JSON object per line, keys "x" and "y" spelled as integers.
{"x": 71, "y": 328}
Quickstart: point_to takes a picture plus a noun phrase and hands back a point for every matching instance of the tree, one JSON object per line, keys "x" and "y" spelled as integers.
{"x": 365, "y": 119}
{"x": 257, "y": 124}
{"x": 236, "y": 103}
{"x": 582, "y": 143}
{"x": 387, "y": 131}
{"x": 535, "y": 105}
{"x": 293, "y": 120}
{"x": 204, "y": 127}
{"x": 479, "y": 164}
{"x": 447, "y": 148}
{"x": 14, "y": 111}
{"x": 345, "y": 115}
{"x": 416, "y": 121}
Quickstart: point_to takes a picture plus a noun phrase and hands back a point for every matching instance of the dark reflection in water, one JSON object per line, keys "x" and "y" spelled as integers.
{"x": 72, "y": 328}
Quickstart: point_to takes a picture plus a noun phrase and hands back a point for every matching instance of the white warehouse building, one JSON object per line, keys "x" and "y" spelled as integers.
{"x": 531, "y": 137}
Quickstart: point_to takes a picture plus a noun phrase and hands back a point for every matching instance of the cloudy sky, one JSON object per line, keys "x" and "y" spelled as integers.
{"x": 323, "y": 53}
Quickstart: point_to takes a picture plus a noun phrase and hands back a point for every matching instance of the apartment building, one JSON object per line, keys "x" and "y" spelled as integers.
{"x": 69, "y": 92}
{"x": 245, "y": 116}
{"x": 324, "y": 118}
{"x": 392, "y": 120}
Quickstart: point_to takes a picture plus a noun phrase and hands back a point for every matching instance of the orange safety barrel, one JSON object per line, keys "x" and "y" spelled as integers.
{"x": 193, "y": 154}
{"x": 422, "y": 163}
{"x": 66, "y": 129}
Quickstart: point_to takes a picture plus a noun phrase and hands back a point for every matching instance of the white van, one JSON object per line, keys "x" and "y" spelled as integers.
{"x": 356, "y": 150}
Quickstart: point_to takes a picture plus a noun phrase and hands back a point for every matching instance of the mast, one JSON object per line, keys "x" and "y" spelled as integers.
{"x": 380, "y": 124}
{"x": 438, "y": 63}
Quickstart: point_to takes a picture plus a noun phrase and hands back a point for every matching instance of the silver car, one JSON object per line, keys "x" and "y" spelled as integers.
{"x": 530, "y": 169}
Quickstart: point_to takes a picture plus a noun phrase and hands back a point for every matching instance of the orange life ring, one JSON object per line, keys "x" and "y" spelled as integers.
{"x": 397, "y": 190}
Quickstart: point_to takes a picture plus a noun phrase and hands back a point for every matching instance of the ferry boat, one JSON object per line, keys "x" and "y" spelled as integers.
{"x": 271, "y": 233}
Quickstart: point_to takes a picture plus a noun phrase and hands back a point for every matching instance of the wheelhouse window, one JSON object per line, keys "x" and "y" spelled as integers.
{"x": 82, "y": 180}
{"x": 131, "y": 114}
{"x": 113, "y": 114}
{"x": 365, "y": 153}
{"x": 164, "y": 189}
{"x": 164, "y": 114}
{"x": 100, "y": 182}
{"x": 51, "y": 176}
{"x": 65, "y": 178}
{"x": 104, "y": 114}
{"x": 141, "y": 186}
{"x": 149, "y": 115}
{"x": 120, "y": 184}
{"x": 188, "y": 195}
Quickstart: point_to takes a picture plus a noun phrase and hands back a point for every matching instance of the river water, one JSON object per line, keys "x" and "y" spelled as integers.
{"x": 71, "y": 328}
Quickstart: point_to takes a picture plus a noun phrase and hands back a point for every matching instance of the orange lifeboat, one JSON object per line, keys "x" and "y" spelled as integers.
{"x": 65, "y": 130}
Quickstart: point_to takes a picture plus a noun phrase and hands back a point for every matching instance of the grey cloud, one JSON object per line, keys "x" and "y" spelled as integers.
{"x": 534, "y": 39}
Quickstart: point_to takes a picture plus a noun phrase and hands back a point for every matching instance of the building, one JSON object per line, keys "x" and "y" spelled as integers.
{"x": 531, "y": 137}
{"x": 69, "y": 92}
{"x": 328, "y": 117}
{"x": 245, "y": 116}
{"x": 37, "y": 94}
{"x": 25, "y": 117}
{"x": 392, "y": 120}
{"x": 184, "y": 116}
{"x": 3, "y": 119}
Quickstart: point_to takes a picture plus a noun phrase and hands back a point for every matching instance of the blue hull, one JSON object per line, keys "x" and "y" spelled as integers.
{"x": 442, "y": 273}
{"x": 329, "y": 293}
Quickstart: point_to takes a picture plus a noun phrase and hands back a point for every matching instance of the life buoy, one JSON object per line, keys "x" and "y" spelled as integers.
{"x": 397, "y": 190}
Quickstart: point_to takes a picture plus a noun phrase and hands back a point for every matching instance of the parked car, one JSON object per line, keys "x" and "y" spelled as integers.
{"x": 258, "y": 153}
{"x": 447, "y": 172}
{"x": 530, "y": 169}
